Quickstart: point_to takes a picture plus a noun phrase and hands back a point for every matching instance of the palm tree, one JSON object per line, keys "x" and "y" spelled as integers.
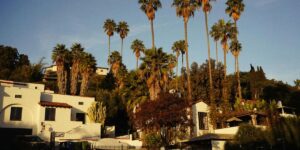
{"x": 178, "y": 47}
{"x": 236, "y": 48}
{"x": 155, "y": 63}
{"x": 76, "y": 52}
{"x": 109, "y": 27}
{"x": 186, "y": 9}
{"x": 206, "y": 7}
{"x": 59, "y": 56}
{"x": 137, "y": 47}
{"x": 123, "y": 30}
{"x": 149, "y": 7}
{"x": 215, "y": 34}
{"x": 87, "y": 68}
{"x": 114, "y": 61}
{"x": 227, "y": 31}
{"x": 235, "y": 9}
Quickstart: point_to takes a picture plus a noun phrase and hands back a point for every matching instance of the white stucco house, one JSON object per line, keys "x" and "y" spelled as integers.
{"x": 27, "y": 108}
{"x": 206, "y": 137}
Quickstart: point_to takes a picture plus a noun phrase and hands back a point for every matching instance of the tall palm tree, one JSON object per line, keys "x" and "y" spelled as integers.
{"x": 109, "y": 27}
{"x": 114, "y": 61}
{"x": 123, "y": 30}
{"x": 76, "y": 52}
{"x": 59, "y": 56}
{"x": 227, "y": 31}
{"x": 87, "y": 68}
{"x": 215, "y": 34}
{"x": 137, "y": 47}
{"x": 234, "y": 9}
{"x": 236, "y": 48}
{"x": 206, "y": 7}
{"x": 178, "y": 47}
{"x": 149, "y": 7}
{"x": 186, "y": 9}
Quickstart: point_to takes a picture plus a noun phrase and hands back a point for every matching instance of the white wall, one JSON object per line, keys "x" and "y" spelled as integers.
{"x": 71, "y": 100}
{"x": 200, "y": 107}
{"x": 29, "y": 103}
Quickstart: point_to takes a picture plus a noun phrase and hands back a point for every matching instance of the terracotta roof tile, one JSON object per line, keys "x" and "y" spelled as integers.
{"x": 55, "y": 104}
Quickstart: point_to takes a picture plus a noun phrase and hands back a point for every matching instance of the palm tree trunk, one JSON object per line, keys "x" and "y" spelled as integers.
{"x": 84, "y": 84}
{"x": 187, "y": 62}
{"x": 121, "y": 48}
{"x": 137, "y": 63}
{"x": 209, "y": 64}
{"x": 225, "y": 82}
{"x": 177, "y": 74}
{"x": 74, "y": 77}
{"x": 60, "y": 78}
{"x": 217, "y": 59}
{"x": 238, "y": 77}
{"x": 108, "y": 46}
{"x": 152, "y": 31}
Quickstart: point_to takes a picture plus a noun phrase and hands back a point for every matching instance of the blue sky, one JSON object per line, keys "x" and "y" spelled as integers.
{"x": 269, "y": 31}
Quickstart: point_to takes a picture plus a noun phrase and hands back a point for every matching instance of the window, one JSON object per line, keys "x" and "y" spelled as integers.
{"x": 18, "y": 96}
{"x": 80, "y": 117}
{"x": 16, "y": 113}
{"x": 50, "y": 114}
{"x": 80, "y": 103}
{"x": 203, "y": 120}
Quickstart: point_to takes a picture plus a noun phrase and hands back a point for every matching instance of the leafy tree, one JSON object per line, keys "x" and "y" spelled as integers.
{"x": 149, "y": 7}
{"x": 137, "y": 47}
{"x": 123, "y": 30}
{"x": 186, "y": 9}
{"x": 109, "y": 27}
{"x": 164, "y": 116}
{"x": 297, "y": 84}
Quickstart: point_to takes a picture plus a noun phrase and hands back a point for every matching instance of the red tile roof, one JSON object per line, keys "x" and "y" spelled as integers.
{"x": 55, "y": 104}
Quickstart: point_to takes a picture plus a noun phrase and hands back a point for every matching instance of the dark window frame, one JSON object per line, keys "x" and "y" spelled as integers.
{"x": 203, "y": 120}
{"x": 80, "y": 103}
{"x": 18, "y": 96}
{"x": 50, "y": 113}
{"x": 16, "y": 113}
{"x": 80, "y": 117}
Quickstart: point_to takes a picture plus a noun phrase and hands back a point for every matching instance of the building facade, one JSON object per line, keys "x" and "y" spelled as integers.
{"x": 26, "y": 108}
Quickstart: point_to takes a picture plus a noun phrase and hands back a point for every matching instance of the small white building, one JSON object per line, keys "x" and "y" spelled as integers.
{"x": 206, "y": 137}
{"x": 26, "y": 108}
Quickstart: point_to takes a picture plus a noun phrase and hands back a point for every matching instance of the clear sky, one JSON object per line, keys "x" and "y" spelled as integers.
{"x": 269, "y": 31}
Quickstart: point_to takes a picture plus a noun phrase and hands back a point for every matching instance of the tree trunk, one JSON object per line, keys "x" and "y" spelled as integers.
{"x": 108, "y": 46}
{"x": 61, "y": 79}
{"x": 74, "y": 77}
{"x": 238, "y": 77}
{"x": 187, "y": 63}
{"x": 177, "y": 74}
{"x": 84, "y": 83}
{"x": 209, "y": 64}
{"x": 225, "y": 99}
{"x": 137, "y": 63}
{"x": 121, "y": 48}
{"x": 152, "y": 31}
{"x": 217, "y": 59}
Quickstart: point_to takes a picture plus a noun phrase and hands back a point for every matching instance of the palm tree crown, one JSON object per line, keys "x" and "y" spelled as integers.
{"x": 137, "y": 47}
{"x": 235, "y": 8}
{"x": 122, "y": 29}
{"x": 149, "y": 7}
{"x": 235, "y": 47}
{"x": 185, "y": 8}
{"x": 109, "y": 27}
